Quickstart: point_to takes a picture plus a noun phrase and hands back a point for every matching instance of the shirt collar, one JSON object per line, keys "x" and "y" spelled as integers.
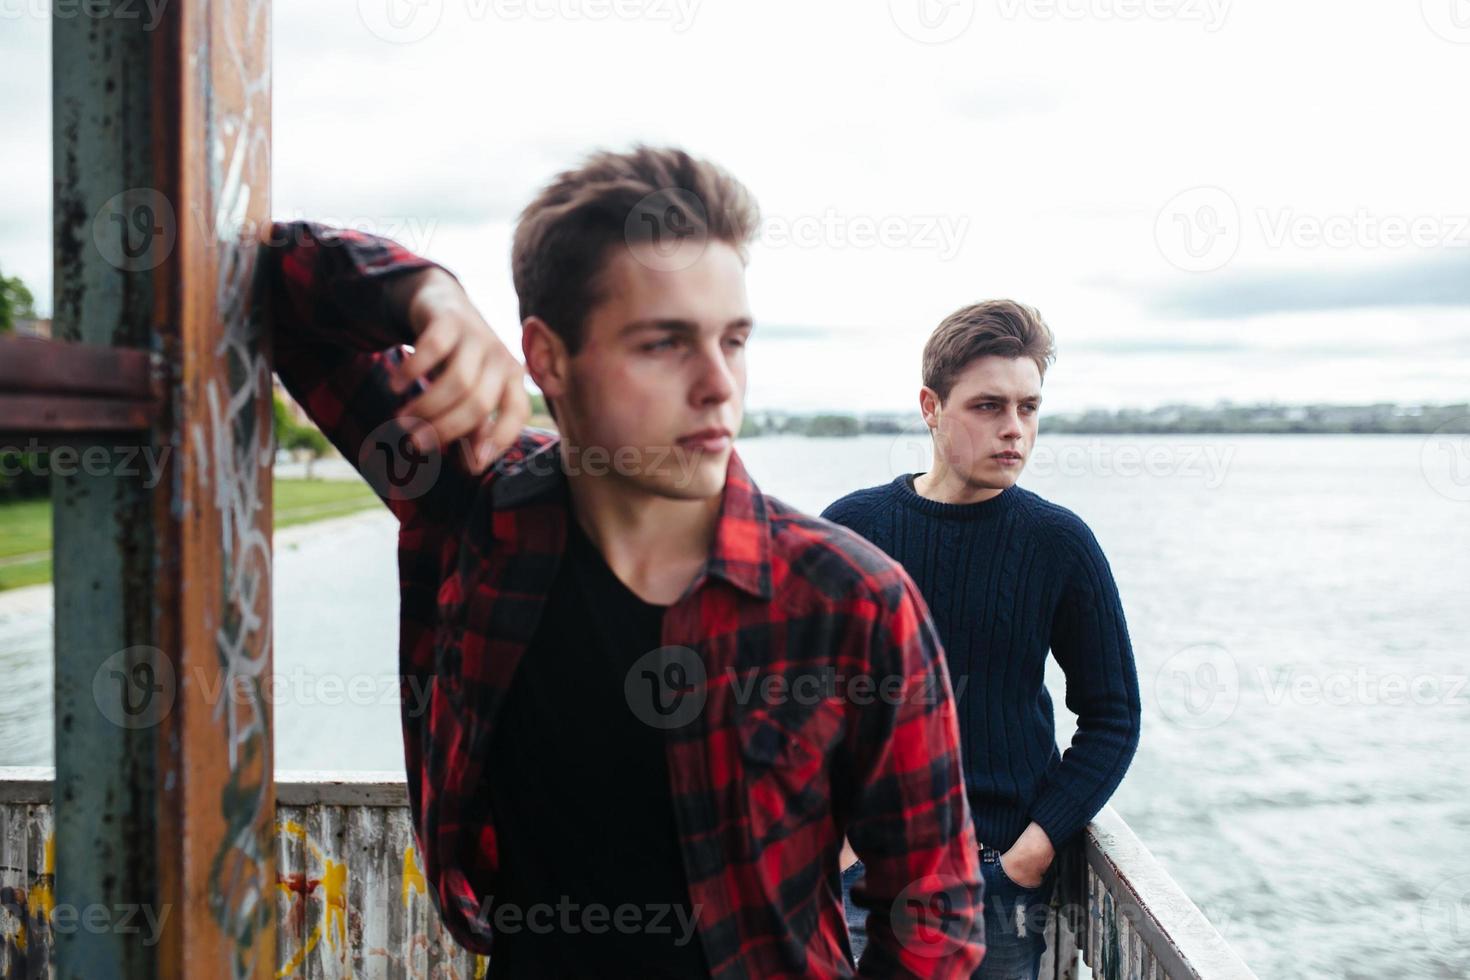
{"x": 741, "y": 554}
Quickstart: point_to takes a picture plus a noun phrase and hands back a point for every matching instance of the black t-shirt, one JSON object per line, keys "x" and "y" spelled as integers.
{"x": 580, "y": 792}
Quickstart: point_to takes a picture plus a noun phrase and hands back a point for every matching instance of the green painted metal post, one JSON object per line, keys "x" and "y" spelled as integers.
{"x": 104, "y": 801}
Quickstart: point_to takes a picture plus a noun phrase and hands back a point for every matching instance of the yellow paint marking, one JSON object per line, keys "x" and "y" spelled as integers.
{"x": 413, "y": 876}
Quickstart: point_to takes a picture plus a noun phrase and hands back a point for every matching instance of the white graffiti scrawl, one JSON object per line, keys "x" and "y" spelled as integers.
{"x": 234, "y": 447}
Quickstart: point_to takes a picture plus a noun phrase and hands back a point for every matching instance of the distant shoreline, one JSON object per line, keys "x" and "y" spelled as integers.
{"x": 1379, "y": 419}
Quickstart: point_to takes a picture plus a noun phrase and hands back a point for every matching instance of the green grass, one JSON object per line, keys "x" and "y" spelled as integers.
{"x": 25, "y": 573}
{"x": 302, "y": 501}
{"x": 25, "y": 526}
{"x": 25, "y": 529}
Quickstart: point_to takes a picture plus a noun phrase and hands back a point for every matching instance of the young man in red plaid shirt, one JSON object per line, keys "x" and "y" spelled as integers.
{"x": 658, "y": 697}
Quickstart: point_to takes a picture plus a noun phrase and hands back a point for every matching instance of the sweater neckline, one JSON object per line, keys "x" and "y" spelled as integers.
{"x": 911, "y": 498}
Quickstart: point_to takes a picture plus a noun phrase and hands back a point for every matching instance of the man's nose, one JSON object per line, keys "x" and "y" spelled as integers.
{"x": 1011, "y": 429}
{"x": 716, "y": 382}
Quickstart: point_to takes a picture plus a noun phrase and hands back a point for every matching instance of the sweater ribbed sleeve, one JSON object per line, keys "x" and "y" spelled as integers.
{"x": 1089, "y": 639}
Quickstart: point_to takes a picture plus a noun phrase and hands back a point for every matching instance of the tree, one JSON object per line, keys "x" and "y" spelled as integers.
{"x": 306, "y": 439}
{"x": 282, "y": 421}
{"x": 310, "y": 441}
{"x": 16, "y": 303}
{"x": 833, "y": 425}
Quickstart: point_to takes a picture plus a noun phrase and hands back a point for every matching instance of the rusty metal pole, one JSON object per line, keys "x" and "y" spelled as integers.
{"x": 164, "y": 799}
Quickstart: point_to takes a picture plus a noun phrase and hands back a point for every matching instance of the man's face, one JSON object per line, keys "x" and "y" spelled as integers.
{"x": 663, "y": 358}
{"x": 986, "y": 428}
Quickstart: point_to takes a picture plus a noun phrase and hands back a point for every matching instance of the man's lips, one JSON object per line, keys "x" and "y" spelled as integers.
{"x": 712, "y": 439}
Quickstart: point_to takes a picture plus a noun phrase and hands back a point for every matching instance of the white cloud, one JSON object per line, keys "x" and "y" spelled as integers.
{"x": 1049, "y": 135}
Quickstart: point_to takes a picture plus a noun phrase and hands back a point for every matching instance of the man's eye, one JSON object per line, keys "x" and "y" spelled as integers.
{"x": 737, "y": 341}
{"x": 664, "y": 344}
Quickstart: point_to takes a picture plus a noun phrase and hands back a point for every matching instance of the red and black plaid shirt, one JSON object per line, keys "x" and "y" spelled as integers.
{"x": 821, "y": 702}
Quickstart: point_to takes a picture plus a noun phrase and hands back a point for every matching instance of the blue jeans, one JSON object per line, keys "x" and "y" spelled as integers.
{"x": 1015, "y": 920}
{"x": 857, "y": 928}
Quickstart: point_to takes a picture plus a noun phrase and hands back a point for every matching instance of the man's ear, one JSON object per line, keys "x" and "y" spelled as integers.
{"x": 929, "y": 406}
{"x": 546, "y": 356}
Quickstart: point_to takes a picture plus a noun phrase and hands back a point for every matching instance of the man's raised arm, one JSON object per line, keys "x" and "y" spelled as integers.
{"x": 344, "y": 307}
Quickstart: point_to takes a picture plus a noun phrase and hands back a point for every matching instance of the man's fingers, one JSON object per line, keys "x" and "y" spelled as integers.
{"x": 515, "y": 412}
{"x": 463, "y": 418}
{"x": 460, "y": 378}
{"x": 478, "y": 446}
{"x": 478, "y": 378}
{"x": 438, "y": 341}
{"x": 499, "y": 432}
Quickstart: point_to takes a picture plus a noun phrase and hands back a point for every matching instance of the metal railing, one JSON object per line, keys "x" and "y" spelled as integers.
{"x": 352, "y": 900}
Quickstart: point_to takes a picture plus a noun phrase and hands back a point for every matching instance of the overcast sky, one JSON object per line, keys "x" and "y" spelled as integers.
{"x": 1255, "y": 200}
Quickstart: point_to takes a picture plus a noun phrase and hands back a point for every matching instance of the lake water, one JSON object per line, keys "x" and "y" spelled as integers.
{"x": 1299, "y": 608}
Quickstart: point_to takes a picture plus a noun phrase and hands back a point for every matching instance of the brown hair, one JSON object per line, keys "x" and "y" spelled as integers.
{"x": 1000, "y": 327}
{"x": 644, "y": 196}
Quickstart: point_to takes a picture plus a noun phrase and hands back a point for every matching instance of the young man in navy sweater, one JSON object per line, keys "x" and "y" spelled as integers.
{"x": 1007, "y": 576}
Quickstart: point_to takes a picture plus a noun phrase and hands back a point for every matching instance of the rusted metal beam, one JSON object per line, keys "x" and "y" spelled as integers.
{"x": 42, "y": 414}
{"x": 54, "y": 367}
{"x": 54, "y": 389}
{"x": 215, "y": 769}
{"x": 164, "y": 791}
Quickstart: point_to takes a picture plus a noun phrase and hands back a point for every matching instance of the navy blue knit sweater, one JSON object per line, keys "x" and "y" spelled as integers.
{"x": 1007, "y": 579}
